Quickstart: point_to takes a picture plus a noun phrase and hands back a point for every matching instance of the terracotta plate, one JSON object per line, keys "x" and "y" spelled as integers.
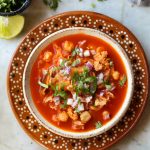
{"x": 78, "y": 19}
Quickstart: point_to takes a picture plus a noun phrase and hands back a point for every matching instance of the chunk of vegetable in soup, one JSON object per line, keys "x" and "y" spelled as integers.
{"x": 78, "y": 83}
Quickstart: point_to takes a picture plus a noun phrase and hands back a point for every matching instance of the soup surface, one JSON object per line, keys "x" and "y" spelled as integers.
{"x": 78, "y": 83}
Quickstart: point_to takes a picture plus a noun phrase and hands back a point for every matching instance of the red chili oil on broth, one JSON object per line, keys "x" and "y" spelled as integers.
{"x": 112, "y": 106}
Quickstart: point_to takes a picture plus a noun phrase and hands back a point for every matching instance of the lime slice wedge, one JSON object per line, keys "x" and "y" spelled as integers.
{"x": 11, "y": 26}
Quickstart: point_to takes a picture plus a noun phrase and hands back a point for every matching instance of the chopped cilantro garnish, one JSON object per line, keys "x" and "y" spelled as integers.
{"x": 76, "y": 62}
{"x": 106, "y": 82}
{"x": 108, "y": 86}
{"x": 62, "y": 94}
{"x": 84, "y": 83}
{"x": 64, "y": 105}
{"x": 55, "y": 68}
{"x": 59, "y": 92}
{"x": 62, "y": 64}
{"x": 123, "y": 80}
{"x": 75, "y": 52}
{"x": 98, "y": 124}
{"x": 76, "y": 109}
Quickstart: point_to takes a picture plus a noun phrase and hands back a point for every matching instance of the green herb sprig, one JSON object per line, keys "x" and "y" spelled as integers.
{"x": 84, "y": 83}
{"x": 98, "y": 125}
{"x": 10, "y": 5}
{"x": 123, "y": 80}
{"x": 53, "y": 4}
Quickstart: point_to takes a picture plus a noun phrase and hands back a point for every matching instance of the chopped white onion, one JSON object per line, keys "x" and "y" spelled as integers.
{"x": 80, "y": 107}
{"x": 44, "y": 71}
{"x": 93, "y": 52}
{"x": 101, "y": 93}
{"x": 88, "y": 99}
{"x": 69, "y": 101}
{"x": 57, "y": 100}
{"x": 89, "y": 65}
{"x": 74, "y": 96}
{"x": 86, "y": 85}
{"x": 113, "y": 88}
{"x": 80, "y": 52}
{"x": 100, "y": 78}
{"x": 60, "y": 61}
{"x": 74, "y": 103}
{"x": 67, "y": 70}
{"x": 66, "y": 64}
{"x": 86, "y": 53}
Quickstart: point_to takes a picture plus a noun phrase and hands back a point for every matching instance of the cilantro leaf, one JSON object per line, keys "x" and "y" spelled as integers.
{"x": 59, "y": 92}
{"x": 108, "y": 87}
{"x": 83, "y": 83}
{"x": 98, "y": 124}
{"x": 76, "y": 62}
{"x": 64, "y": 105}
{"x": 123, "y": 80}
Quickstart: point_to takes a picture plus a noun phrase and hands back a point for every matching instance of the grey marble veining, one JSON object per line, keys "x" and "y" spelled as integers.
{"x": 137, "y": 19}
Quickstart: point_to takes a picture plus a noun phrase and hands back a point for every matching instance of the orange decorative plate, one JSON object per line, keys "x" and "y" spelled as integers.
{"x": 79, "y": 19}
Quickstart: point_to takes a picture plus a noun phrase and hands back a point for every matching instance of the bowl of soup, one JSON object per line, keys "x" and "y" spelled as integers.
{"x": 78, "y": 82}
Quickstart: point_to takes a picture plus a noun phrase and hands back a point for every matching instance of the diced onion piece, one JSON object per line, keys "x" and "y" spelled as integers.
{"x": 101, "y": 93}
{"x": 80, "y": 52}
{"x": 74, "y": 103}
{"x": 43, "y": 84}
{"x": 100, "y": 78}
{"x": 80, "y": 107}
{"x": 93, "y": 52}
{"x": 69, "y": 101}
{"x": 67, "y": 70}
{"x": 74, "y": 96}
{"x": 113, "y": 88}
{"x": 60, "y": 61}
{"x": 88, "y": 99}
{"x": 89, "y": 65}
{"x": 86, "y": 53}
{"x": 44, "y": 71}
{"x": 57, "y": 100}
{"x": 106, "y": 115}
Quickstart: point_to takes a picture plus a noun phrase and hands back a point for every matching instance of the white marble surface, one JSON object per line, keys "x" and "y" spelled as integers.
{"x": 137, "y": 19}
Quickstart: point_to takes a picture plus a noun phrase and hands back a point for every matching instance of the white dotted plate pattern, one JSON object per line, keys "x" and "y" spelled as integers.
{"x": 78, "y": 19}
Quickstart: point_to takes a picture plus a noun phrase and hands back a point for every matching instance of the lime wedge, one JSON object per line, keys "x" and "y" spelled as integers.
{"x": 11, "y": 26}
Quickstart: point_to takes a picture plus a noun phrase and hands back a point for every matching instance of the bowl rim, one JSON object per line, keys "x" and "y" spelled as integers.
{"x": 25, "y": 5}
{"x": 94, "y": 132}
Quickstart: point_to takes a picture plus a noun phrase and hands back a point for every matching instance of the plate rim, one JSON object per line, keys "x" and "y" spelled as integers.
{"x": 95, "y": 14}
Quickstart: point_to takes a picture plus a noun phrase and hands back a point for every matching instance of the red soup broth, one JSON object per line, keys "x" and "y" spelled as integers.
{"x": 113, "y": 106}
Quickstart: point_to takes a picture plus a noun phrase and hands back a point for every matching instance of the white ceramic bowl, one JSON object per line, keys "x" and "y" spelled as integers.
{"x": 26, "y": 82}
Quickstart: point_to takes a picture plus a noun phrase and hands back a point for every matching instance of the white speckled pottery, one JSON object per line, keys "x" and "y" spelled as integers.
{"x": 27, "y": 72}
